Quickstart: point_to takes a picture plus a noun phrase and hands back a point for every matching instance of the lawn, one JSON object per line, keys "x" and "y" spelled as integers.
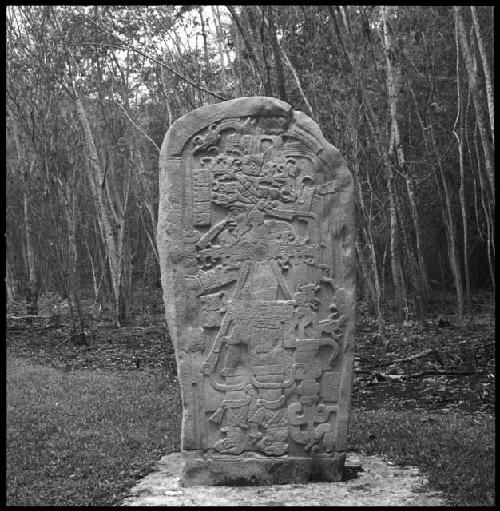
{"x": 84, "y": 437}
{"x": 85, "y": 423}
{"x": 454, "y": 450}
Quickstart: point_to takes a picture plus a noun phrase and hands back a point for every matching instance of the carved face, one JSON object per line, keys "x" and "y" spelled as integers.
{"x": 252, "y": 164}
{"x": 255, "y": 218}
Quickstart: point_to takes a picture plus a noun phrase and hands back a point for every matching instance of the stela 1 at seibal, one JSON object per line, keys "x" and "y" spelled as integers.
{"x": 256, "y": 244}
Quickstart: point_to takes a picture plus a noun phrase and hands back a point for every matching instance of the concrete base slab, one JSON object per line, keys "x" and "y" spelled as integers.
{"x": 378, "y": 484}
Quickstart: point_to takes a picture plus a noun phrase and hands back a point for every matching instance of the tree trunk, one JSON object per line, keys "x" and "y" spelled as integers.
{"x": 280, "y": 75}
{"x": 374, "y": 285}
{"x": 239, "y": 54}
{"x": 394, "y": 146}
{"x": 31, "y": 290}
{"x": 395, "y": 261}
{"x": 74, "y": 276}
{"x": 94, "y": 275}
{"x": 248, "y": 43}
{"x": 478, "y": 106}
{"x": 10, "y": 288}
{"x": 146, "y": 192}
{"x": 292, "y": 69}
{"x": 424, "y": 281}
{"x": 126, "y": 283}
{"x": 446, "y": 210}
{"x": 280, "y": 55}
{"x": 489, "y": 218}
{"x": 486, "y": 70}
{"x": 220, "y": 48}
{"x": 96, "y": 179}
{"x": 412, "y": 268}
{"x": 367, "y": 280}
{"x": 451, "y": 231}
{"x": 420, "y": 278}
{"x": 465, "y": 225}
{"x": 268, "y": 86}
{"x": 461, "y": 191}
{"x": 205, "y": 43}
{"x": 373, "y": 127}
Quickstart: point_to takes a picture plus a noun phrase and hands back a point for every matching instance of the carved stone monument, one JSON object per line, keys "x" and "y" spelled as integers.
{"x": 256, "y": 244}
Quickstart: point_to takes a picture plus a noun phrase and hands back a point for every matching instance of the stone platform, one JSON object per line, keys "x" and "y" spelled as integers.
{"x": 377, "y": 484}
{"x": 254, "y": 470}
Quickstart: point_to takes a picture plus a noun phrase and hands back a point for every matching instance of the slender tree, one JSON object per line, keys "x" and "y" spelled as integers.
{"x": 486, "y": 138}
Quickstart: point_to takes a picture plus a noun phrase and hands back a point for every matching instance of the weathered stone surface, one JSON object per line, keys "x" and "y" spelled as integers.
{"x": 255, "y": 237}
{"x": 230, "y": 470}
{"x": 377, "y": 484}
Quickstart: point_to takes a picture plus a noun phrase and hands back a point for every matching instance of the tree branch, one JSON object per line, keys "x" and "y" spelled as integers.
{"x": 140, "y": 52}
{"x": 137, "y": 126}
{"x": 288, "y": 63}
{"x": 246, "y": 41}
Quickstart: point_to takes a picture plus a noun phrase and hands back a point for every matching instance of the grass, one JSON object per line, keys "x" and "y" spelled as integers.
{"x": 454, "y": 450}
{"x": 84, "y": 437}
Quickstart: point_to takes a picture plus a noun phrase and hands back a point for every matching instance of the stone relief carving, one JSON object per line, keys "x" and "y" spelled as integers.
{"x": 264, "y": 330}
{"x": 266, "y": 188}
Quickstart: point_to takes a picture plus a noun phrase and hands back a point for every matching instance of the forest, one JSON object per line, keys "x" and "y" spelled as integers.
{"x": 404, "y": 92}
{"x": 406, "y": 95}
